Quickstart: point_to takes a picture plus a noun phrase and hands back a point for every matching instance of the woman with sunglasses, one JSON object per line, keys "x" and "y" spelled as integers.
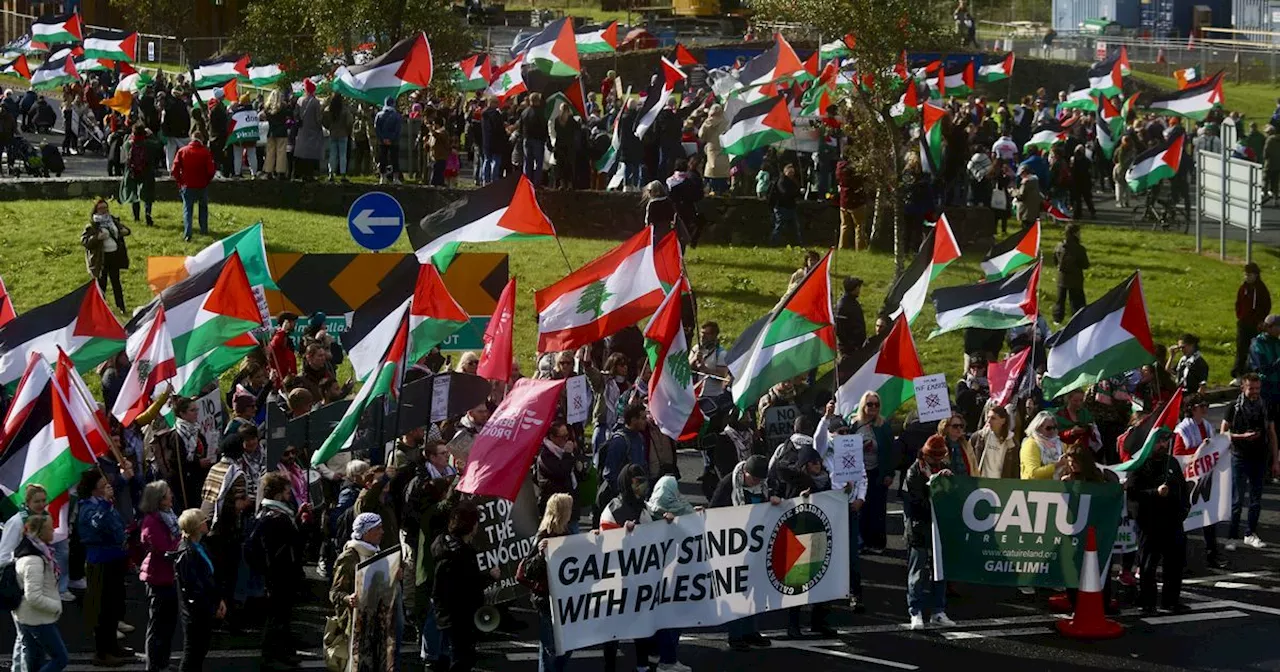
{"x": 963, "y": 460}
{"x": 1042, "y": 457}
{"x": 880, "y": 458}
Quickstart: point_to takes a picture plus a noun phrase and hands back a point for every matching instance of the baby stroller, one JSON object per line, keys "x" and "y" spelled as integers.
{"x": 24, "y": 159}
{"x": 90, "y": 134}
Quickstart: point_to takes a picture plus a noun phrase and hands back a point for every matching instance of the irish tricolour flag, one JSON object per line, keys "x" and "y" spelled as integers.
{"x": 758, "y": 125}
{"x": 406, "y": 67}
{"x": 1003, "y": 304}
{"x": 1012, "y": 253}
{"x": 1109, "y": 336}
{"x": 504, "y": 210}
{"x": 673, "y": 404}
{"x": 60, "y": 29}
{"x": 800, "y": 552}
{"x": 886, "y": 370}
{"x": 797, "y": 336}
{"x": 1154, "y": 165}
{"x": 908, "y": 292}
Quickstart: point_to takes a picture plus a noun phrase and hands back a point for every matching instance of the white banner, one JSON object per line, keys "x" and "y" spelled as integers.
{"x": 700, "y": 570}
{"x": 1208, "y": 474}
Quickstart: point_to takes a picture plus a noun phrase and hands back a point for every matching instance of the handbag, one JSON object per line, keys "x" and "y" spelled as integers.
{"x": 999, "y": 200}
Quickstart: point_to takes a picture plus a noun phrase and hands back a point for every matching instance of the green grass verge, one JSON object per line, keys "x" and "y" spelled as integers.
{"x": 1255, "y": 101}
{"x": 41, "y": 259}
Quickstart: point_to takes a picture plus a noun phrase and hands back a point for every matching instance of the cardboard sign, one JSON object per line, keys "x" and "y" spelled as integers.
{"x": 579, "y": 400}
{"x": 439, "y": 398}
{"x": 846, "y": 462}
{"x": 212, "y": 417}
{"x": 932, "y": 399}
{"x": 778, "y": 423}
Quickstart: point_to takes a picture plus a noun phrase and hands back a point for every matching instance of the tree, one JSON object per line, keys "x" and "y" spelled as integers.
{"x": 883, "y": 31}
{"x": 167, "y": 17}
{"x": 329, "y": 32}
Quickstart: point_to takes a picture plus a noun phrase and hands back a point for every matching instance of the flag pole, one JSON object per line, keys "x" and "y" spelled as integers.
{"x": 564, "y": 254}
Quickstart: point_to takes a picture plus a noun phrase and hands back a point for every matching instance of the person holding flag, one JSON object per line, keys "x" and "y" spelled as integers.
{"x": 1159, "y": 492}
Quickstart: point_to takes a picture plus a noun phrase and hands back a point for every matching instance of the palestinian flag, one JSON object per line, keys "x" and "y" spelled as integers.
{"x": 594, "y": 40}
{"x": 1185, "y": 77}
{"x": 801, "y": 550}
{"x": 797, "y": 336}
{"x": 1001, "y": 304}
{"x": 1012, "y": 253}
{"x": 230, "y": 94}
{"x": 265, "y": 76}
{"x": 996, "y": 67}
{"x": 810, "y": 68}
{"x": 1140, "y": 441}
{"x": 673, "y": 403}
{"x": 52, "y": 74}
{"x": 1052, "y": 209}
{"x": 609, "y": 159}
{"x": 243, "y": 127}
{"x": 42, "y": 443}
{"x": 931, "y": 138}
{"x": 1080, "y": 99}
{"x": 1156, "y": 164}
{"x": 383, "y": 380}
{"x": 59, "y": 29}
{"x": 85, "y": 410}
{"x": 1122, "y": 57}
{"x": 153, "y": 365}
{"x": 778, "y": 62}
{"x": 115, "y": 45}
{"x": 841, "y": 48}
{"x": 1129, "y": 104}
{"x": 957, "y": 80}
{"x": 1106, "y": 77}
{"x": 1109, "y": 126}
{"x": 218, "y": 71}
{"x": 434, "y": 315}
{"x": 758, "y": 125}
{"x": 886, "y": 370}
{"x": 508, "y": 80}
{"x": 816, "y": 100}
{"x": 18, "y": 66}
{"x": 506, "y": 209}
{"x": 567, "y": 89}
{"x": 80, "y": 323}
{"x": 95, "y": 65}
{"x": 406, "y": 67}
{"x": 202, "y": 313}
{"x": 6, "y": 305}
{"x": 682, "y": 57}
{"x": 1045, "y": 135}
{"x": 1194, "y": 102}
{"x": 908, "y": 105}
{"x": 1109, "y": 336}
{"x": 908, "y": 292}
{"x": 614, "y": 291}
{"x": 555, "y": 49}
{"x": 657, "y": 96}
{"x": 474, "y": 73}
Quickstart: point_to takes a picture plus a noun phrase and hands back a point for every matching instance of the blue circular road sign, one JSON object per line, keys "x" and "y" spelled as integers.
{"x": 375, "y": 220}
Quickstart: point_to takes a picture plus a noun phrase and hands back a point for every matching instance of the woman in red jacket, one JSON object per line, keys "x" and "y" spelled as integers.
{"x": 160, "y": 536}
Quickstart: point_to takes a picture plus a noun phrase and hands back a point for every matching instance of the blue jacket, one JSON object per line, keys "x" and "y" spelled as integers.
{"x": 101, "y": 531}
{"x": 624, "y": 447}
{"x": 1040, "y": 167}
{"x": 387, "y": 123}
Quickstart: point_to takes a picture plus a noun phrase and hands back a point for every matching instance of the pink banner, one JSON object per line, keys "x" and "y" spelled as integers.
{"x": 1003, "y": 376}
{"x": 504, "y": 449}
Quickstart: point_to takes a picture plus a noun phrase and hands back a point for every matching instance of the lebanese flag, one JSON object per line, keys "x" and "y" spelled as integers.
{"x": 505, "y": 448}
{"x": 153, "y": 365}
{"x": 1109, "y": 336}
{"x": 887, "y": 370}
{"x": 908, "y": 292}
{"x": 683, "y": 57}
{"x": 508, "y": 80}
{"x": 434, "y": 315}
{"x": 779, "y": 62}
{"x": 1001, "y": 304}
{"x": 614, "y": 291}
{"x": 1012, "y": 253}
{"x": 673, "y": 404}
{"x": 87, "y": 413}
{"x": 555, "y": 49}
{"x": 115, "y": 45}
{"x": 1005, "y": 375}
{"x": 6, "y": 305}
{"x": 669, "y": 261}
{"x": 504, "y": 210}
{"x": 80, "y": 323}
{"x": 495, "y": 358}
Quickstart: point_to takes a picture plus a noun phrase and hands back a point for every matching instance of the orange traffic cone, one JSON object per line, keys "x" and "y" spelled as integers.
{"x": 1089, "y": 621}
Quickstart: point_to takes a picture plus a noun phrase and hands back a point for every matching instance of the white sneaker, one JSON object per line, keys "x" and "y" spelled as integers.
{"x": 78, "y": 584}
{"x": 125, "y": 627}
{"x": 1026, "y": 590}
{"x": 67, "y": 596}
{"x": 1231, "y": 546}
{"x": 917, "y": 622}
{"x": 1253, "y": 541}
{"x": 941, "y": 618}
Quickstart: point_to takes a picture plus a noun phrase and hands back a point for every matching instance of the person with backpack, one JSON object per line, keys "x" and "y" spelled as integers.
{"x": 458, "y": 587}
{"x": 35, "y": 501}
{"x": 101, "y": 531}
{"x": 365, "y": 542}
{"x": 626, "y": 446}
{"x": 274, "y": 550}
{"x": 533, "y": 573}
{"x": 142, "y": 152}
{"x": 38, "y": 613}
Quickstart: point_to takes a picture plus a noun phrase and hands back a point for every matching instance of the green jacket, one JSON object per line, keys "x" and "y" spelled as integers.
{"x": 1264, "y": 359}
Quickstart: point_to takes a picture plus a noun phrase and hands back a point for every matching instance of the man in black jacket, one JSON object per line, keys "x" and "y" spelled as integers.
{"x": 175, "y": 122}
{"x": 493, "y": 142}
{"x": 851, "y": 324}
{"x": 631, "y": 153}
{"x": 801, "y": 478}
{"x": 1159, "y": 491}
{"x": 534, "y": 134}
{"x": 558, "y": 469}
{"x": 458, "y": 588}
{"x": 276, "y": 546}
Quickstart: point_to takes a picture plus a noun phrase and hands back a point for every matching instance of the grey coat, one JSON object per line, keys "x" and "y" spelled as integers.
{"x": 310, "y": 141}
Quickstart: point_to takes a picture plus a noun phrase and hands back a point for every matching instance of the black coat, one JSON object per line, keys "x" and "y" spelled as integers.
{"x": 198, "y": 595}
{"x": 282, "y": 552}
{"x": 1154, "y": 512}
{"x": 458, "y": 588}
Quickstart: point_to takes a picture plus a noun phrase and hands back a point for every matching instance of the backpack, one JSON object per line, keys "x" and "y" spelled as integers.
{"x": 531, "y": 572}
{"x": 138, "y": 162}
{"x": 10, "y": 588}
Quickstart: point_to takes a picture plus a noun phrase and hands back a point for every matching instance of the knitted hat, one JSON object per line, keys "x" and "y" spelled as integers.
{"x": 317, "y": 319}
{"x": 363, "y": 523}
{"x": 935, "y": 448}
{"x": 757, "y": 466}
{"x": 309, "y": 86}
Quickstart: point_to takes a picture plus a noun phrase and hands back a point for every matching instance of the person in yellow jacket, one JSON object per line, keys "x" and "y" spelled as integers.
{"x": 1041, "y": 455}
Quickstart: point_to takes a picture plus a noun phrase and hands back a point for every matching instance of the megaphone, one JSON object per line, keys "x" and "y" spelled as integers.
{"x": 487, "y": 618}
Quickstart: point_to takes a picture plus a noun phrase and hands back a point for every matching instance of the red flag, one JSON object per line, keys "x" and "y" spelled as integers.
{"x": 1005, "y": 374}
{"x": 683, "y": 57}
{"x": 505, "y": 448}
{"x": 6, "y": 305}
{"x": 495, "y": 359}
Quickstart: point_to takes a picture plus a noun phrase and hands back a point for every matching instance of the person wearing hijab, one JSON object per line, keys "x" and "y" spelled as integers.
{"x": 159, "y": 538}
{"x": 198, "y": 595}
{"x": 366, "y": 538}
{"x": 924, "y": 593}
{"x": 38, "y": 613}
{"x": 626, "y": 510}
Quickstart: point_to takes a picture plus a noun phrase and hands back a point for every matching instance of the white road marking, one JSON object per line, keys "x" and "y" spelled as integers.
{"x": 1218, "y": 577}
{"x": 1232, "y": 585}
{"x": 815, "y": 647}
{"x": 1187, "y": 618}
{"x": 989, "y": 634}
{"x": 577, "y": 655}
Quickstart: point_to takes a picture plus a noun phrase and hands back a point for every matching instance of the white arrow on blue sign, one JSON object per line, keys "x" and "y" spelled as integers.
{"x": 375, "y": 220}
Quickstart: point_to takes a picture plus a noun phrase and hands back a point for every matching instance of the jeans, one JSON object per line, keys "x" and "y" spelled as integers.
{"x": 535, "y": 152}
{"x": 237, "y": 159}
{"x": 430, "y": 643}
{"x": 1252, "y": 470}
{"x": 171, "y": 147}
{"x": 162, "y": 617}
{"x": 41, "y": 641}
{"x": 785, "y": 218}
{"x": 548, "y": 661}
{"x": 19, "y": 663}
{"x": 190, "y": 197}
{"x": 871, "y": 520}
{"x": 491, "y": 169}
{"x": 922, "y": 591}
{"x": 338, "y": 155}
